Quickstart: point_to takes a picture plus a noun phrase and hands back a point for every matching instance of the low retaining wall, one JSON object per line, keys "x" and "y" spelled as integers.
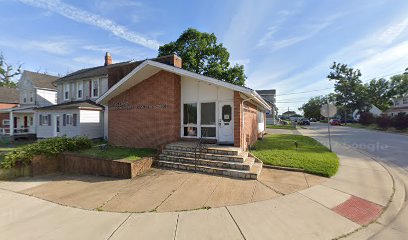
{"x": 77, "y": 164}
{"x": 15, "y": 172}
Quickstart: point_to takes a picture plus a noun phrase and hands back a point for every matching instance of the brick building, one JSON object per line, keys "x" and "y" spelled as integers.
{"x": 158, "y": 102}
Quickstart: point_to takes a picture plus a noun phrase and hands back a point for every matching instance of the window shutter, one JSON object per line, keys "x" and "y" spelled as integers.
{"x": 49, "y": 119}
{"x": 64, "y": 120}
{"x": 41, "y": 119}
{"x": 74, "y": 119}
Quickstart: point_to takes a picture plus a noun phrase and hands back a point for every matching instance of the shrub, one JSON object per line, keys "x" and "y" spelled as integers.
{"x": 49, "y": 147}
{"x": 384, "y": 121}
{"x": 400, "y": 121}
{"x": 366, "y": 118}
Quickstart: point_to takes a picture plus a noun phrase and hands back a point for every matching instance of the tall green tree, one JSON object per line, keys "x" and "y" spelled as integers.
{"x": 7, "y": 73}
{"x": 399, "y": 84}
{"x": 311, "y": 109}
{"x": 201, "y": 53}
{"x": 349, "y": 89}
{"x": 378, "y": 92}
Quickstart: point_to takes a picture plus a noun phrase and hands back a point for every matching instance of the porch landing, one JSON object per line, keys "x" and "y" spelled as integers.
{"x": 211, "y": 159}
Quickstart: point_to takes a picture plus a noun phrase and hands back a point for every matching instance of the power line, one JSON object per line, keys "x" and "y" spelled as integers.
{"x": 305, "y": 91}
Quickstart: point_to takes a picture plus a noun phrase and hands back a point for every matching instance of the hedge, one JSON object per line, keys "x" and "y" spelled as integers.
{"x": 49, "y": 147}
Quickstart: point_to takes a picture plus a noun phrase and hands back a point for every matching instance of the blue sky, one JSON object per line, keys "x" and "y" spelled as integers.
{"x": 284, "y": 45}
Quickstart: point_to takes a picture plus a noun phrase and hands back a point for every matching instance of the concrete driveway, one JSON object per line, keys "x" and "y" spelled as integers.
{"x": 161, "y": 190}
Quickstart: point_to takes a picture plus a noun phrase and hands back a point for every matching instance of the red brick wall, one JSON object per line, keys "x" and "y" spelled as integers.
{"x": 250, "y": 131}
{"x": 145, "y": 124}
{"x": 5, "y": 115}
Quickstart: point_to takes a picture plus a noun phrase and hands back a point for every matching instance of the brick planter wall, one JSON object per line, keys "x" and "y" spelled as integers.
{"x": 75, "y": 164}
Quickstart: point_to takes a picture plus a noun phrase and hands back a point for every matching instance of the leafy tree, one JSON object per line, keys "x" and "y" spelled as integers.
{"x": 399, "y": 84}
{"x": 379, "y": 93}
{"x": 202, "y": 54}
{"x": 311, "y": 109}
{"x": 349, "y": 89}
{"x": 7, "y": 73}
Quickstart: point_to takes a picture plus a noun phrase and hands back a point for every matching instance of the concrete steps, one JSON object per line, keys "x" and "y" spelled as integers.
{"x": 213, "y": 159}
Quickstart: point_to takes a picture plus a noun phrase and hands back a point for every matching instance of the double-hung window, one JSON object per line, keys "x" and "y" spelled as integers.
{"x": 95, "y": 88}
{"x": 80, "y": 90}
{"x": 66, "y": 91}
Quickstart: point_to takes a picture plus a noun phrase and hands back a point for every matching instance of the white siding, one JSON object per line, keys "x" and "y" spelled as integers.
{"x": 193, "y": 90}
{"x": 45, "y": 97}
{"x": 91, "y": 123}
{"x": 261, "y": 122}
{"x": 45, "y": 131}
{"x": 105, "y": 122}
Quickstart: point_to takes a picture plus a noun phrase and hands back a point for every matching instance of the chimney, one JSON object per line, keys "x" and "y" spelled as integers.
{"x": 172, "y": 60}
{"x": 108, "y": 59}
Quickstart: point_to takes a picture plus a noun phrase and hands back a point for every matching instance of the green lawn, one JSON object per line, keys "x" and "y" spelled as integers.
{"x": 311, "y": 156}
{"x": 113, "y": 153}
{"x": 288, "y": 127}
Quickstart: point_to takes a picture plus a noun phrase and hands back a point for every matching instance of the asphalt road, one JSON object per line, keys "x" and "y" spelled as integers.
{"x": 391, "y": 149}
{"x": 387, "y": 147}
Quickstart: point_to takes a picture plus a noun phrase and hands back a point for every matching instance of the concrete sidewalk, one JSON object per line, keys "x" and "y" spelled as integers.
{"x": 336, "y": 208}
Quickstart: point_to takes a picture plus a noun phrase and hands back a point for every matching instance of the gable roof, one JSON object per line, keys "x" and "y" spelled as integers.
{"x": 91, "y": 72}
{"x": 83, "y": 104}
{"x": 9, "y": 95}
{"x": 148, "y": 67}
{"x": 41, "y": 80}
{"x": 266, "y": 92}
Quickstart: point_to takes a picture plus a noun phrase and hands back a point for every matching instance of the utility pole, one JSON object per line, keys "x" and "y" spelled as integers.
{"x": 328, "y": 123}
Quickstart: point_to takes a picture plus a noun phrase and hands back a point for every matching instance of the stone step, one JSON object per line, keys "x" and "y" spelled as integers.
{"x": 216, "y": 157}
{"x": 246, "y": 165}
{"x": 253, "y": 173}
{"x": 208, "y": 149}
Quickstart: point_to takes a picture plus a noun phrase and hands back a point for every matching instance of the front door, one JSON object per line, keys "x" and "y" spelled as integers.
{"x": 226, "y": 123}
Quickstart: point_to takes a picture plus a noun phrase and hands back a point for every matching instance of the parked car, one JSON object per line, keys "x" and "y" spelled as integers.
{"x": 312, "y": 120}
{"x": 304, "y": 122}
{"x": 335, "y": 122}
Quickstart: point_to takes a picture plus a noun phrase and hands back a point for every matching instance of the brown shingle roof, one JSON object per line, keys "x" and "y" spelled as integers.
{"x": 9, "y": 95}
{"x": 85, "y": 104}
{"x": 42, "y": 80}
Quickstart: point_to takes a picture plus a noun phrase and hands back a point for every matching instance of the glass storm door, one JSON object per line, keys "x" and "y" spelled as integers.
{"x": 226, "y": 123}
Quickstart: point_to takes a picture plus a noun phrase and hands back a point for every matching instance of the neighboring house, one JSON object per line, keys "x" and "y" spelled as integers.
{"x": 270, "y": 97}
{"x": 400, "y": 105}
{"x": 288, "y": 114}
{"x": 9, "y": 98}
{"x": 375, "y": 111}
{"x": 35, "y": 90}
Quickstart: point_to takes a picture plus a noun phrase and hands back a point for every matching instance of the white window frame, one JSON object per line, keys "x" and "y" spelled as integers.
{"x": 405, "y": 100}
{"x": 24, "y": 97}
{"x": 31, "y": 97}
{"x": 98, "y": 87}
{"x": 66, "y": 90}
{"x": 80, "y": 87}
{"x": 44, "y": 120}
{"x": 200, "y": 125}
{"x": 69, "y": 119}
{"x": 6, "y": 122}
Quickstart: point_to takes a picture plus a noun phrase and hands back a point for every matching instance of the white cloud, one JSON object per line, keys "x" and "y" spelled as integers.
{"x": 393, "y": 31}
{"x": 89, "y": 61}
{"x": 57, "y": 46}
{"x": 83, "y": 16}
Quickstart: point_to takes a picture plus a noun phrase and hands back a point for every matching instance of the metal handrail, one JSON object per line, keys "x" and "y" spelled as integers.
{"x": 201, "y": 144}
